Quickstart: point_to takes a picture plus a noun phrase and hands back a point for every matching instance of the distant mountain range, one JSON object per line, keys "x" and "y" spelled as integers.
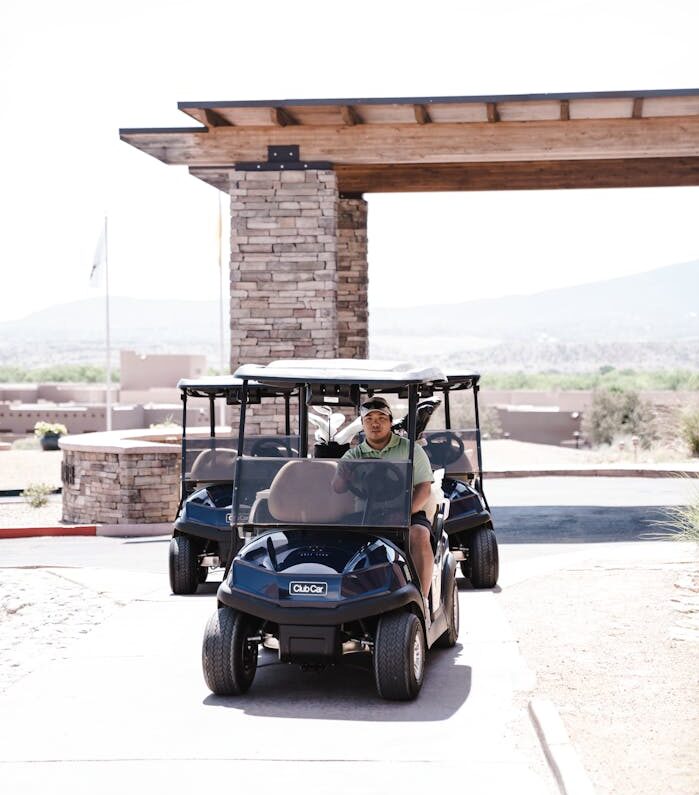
{"x": 659, "y": 305}
{"x": 648, "y": 320}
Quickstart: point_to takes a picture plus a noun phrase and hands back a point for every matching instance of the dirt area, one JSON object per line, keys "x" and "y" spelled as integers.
{"x": 614, "y": 643}
{"x": 16, "y": 512}
{"x": 19, "y": 468}
{"x": 42, "y": 612}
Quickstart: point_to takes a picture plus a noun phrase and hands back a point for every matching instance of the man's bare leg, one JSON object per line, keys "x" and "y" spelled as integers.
{"x": 421, "y": 551}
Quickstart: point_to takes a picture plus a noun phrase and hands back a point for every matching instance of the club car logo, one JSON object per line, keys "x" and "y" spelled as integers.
{"x": 308, "y": 588}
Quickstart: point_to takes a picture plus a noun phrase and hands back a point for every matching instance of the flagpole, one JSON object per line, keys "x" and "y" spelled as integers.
{"x": 108, "y": 339}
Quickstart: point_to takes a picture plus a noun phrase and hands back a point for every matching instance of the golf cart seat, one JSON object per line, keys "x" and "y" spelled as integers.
{"x": 214, "y": 466}
{"x": 302, "y": 492}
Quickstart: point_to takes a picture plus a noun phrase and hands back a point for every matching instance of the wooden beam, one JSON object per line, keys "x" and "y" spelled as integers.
{"x": 637, "y": 108}
{"x": 349, "y": 115}
{"x": 579, "y": 139}
{"x": 281, "y": 117}
{"x": 493, "y": 114}
{"x": 556, "y": 175}
{"x": 422, "y": 115}
{"x": 565, "y": 110}
{"x": 215, "y": 119}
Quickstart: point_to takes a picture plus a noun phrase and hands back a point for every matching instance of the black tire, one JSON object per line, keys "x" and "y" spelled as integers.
{"x": 483, "y": 562}
{"x": 400, "y": 654}
{"x": 451, "y": 607}
{"x": 184, "y": 566}
{"x": 229, "y": 662}
{"x": 203, "y": 574}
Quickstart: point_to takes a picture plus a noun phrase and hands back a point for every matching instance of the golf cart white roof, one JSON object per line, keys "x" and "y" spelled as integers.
{"x": 372, "y": 374}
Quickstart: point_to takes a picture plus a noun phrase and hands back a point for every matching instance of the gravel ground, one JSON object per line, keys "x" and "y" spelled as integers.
{"x": 614, "y": 643}
{"x": 15, "y": 512}
{"x": 42, "y": 612}
{"x": 19, "y": 468}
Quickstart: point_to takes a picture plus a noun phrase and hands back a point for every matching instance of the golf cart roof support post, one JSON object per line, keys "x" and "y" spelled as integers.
{"x": 287, "y": 412}
{"x": 476, "y": 390}
{"x": 447, "y": 409}
{"x": 304, "y": 395}
{"x": 212, "y": 417}
{"x": 239, "y": 460}
{"x": 412, "y": 427}
{"x": 183, "y": 468}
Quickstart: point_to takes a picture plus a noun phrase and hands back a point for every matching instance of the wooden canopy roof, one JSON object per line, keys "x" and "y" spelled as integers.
{"x": 598, "y": 140}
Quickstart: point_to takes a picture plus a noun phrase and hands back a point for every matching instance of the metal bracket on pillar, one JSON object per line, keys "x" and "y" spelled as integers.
{"x": 285, "y": 157}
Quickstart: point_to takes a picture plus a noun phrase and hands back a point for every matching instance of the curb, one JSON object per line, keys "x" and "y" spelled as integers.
{"x": 55, "y": 530}
{"x": 571, "y": 777}
{"x": 590, "y": 473}
{"x": 107, "y": 530}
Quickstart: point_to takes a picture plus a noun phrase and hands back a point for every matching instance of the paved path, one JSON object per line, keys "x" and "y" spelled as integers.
{"x": 128, "y": 705}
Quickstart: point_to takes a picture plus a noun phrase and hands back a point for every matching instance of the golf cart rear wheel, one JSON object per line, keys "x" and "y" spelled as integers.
{"x": 228, "y": 658}
{"x": 482, "y": 566}
{"x": 451, "y": 605}
{"x": 399, "y": 656}
{"x": 184, "y": 566}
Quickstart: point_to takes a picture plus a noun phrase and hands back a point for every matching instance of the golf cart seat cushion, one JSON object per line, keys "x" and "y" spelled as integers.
{"x": 213, "y": 465}
{"x": 302, "y": 492}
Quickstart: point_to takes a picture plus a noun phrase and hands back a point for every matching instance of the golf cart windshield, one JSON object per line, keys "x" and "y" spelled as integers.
{"x": 455, "y": 451}
{"x": 321, "y": 492}
{"x": 212, "y": 459}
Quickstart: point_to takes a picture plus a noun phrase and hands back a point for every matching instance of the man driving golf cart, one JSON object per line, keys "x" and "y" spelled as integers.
{"x": 381, "y": 442}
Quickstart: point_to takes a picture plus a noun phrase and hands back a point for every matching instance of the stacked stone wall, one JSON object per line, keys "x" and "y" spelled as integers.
{"x": 283, "y": 272}
{"x": 353, "y": 280}
{"x": 120, "y": 488}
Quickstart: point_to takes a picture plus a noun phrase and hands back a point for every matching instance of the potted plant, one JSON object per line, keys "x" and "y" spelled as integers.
{"x": 49, "y": 433}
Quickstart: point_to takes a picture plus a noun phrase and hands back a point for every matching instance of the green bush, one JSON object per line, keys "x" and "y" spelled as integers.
{"x": 606, "y": 377}
{"x": 689, "y": 429}
{"x": 62, "y": 373}
{"x": 37, "y": 494}
{"x": 619, "y": 413}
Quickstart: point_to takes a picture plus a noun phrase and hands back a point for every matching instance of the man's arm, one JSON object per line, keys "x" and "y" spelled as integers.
{"x": 421, "y": 493}
{"x": 340, "y": 481}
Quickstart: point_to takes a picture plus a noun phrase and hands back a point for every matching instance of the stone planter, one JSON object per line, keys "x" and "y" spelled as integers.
{"x": 49, "y": 441}
{"x": 121, "y": 477}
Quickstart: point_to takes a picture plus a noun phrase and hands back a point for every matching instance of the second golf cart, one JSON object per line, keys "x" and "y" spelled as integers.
{"x": 201, "y": 538}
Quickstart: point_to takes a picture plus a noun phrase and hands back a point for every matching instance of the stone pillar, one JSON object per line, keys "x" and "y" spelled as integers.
{"x": 352, "y": 279}
{"x": 283, "y": 265}
{"x": 298, "y": 272}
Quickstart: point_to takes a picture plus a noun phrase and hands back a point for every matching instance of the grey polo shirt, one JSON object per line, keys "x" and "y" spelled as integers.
{"x": 397, "y": 450}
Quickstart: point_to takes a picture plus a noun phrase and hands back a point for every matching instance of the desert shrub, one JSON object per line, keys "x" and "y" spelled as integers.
{"x": 684, "y": 520}
{"x": 37, "y": 494}
{"x": 618, "y": 412}
{"x": 689, "y": 430}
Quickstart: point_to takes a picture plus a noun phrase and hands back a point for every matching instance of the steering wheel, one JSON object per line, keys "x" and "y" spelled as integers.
{"x": 443, "y": 448}
{"x": 269, "y": 448}
{"x": 377, "y": 483}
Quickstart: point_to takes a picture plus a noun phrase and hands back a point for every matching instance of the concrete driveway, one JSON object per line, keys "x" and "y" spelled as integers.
{"x": 127, "y": 706}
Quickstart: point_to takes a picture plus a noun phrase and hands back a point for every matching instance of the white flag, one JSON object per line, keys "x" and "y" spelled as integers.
{"x": 99, "y": 262}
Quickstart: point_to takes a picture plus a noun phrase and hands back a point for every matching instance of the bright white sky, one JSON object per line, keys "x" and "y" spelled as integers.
{"x": 73, "y": 72}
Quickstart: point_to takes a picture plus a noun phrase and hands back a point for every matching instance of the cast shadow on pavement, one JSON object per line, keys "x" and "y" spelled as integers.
{"x": 566, "y": 524}
{"x": 348, "y": 692}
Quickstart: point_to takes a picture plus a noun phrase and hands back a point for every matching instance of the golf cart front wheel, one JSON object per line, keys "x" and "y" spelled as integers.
{"x": 184, "y": 566}
{"x": 483, "y": 565}
{"x": 228, "y": 655}
{"x": 399, "y": 656}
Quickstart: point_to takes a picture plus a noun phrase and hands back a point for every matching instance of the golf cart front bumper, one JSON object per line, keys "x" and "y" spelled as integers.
{"x": 315, "y": 599}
